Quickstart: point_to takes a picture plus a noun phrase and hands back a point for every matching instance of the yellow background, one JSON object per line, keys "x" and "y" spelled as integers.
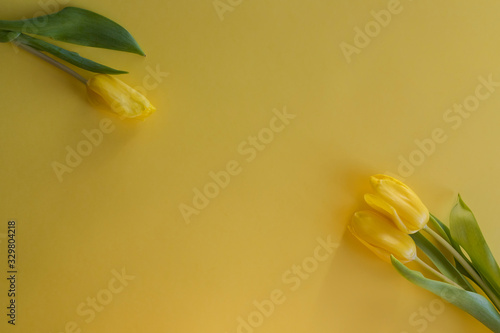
{"x": 119, "y": 209}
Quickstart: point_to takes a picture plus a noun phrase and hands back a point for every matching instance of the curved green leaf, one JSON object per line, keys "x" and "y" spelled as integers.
{"x": 472, "y": 303}
{"x": 441, "y": 262}
{"x": 78, "y": 26}
{"x": 8, "y": 36}
{"x": 466, "y": 232}
{"x": 71, "y": 57}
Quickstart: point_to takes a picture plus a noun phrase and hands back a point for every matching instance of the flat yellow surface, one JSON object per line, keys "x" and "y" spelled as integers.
{"x": 276, "y": 112}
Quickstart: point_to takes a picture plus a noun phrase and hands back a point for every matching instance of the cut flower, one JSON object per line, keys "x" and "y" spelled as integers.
{"x": 381, "y": 236}
{"x": 107, "y": 92}
{"x": 398, "y": 202}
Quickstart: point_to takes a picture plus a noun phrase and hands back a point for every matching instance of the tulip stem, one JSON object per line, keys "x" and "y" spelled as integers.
{"x": 494, "y": 299}
{"x": 436, "y": 273}
{"x": 51, "y": 61}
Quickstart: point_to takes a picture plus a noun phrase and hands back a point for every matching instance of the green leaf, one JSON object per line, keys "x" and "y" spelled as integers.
{"x": 8, "y": 36}
{"x": 472, "y": 303}
{"x": 455, "y": 245}
{"x": 71, "y": 57}
{"x": 466, "y": 232}
{"x": 439, "y": 227}
{"x": 78, "y": 26}
{"x": 441, "y": 262}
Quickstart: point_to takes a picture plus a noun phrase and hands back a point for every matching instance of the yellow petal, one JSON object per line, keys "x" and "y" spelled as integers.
{"x": 408, "y": 206}
{"x": 387, "y": 210}
{"x": 107, "y": 92}
{"x": 381, "y": 236}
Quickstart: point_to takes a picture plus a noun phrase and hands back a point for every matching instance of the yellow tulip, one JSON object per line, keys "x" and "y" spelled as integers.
{"x": 398, "y": 202}
{"x": 380, "y": 235}
{"x": 107, "y": 92}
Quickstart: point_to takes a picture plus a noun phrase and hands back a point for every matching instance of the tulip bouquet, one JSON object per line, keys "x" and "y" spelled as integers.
{"x": 463, "y": 270}
{"x": 83, "y": 27}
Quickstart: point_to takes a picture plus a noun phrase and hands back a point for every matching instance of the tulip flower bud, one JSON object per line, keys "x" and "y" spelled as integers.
{"x": 381, "y": 236}
{"x": 107, "y": 92}
{"x": 398, "y": 202}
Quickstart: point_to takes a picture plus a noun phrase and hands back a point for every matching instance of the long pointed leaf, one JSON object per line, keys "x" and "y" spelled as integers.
{"x": 466, "y": 232}
{"x": 441, "y": 262}
{"x": 71, "y": 57}
{"x": 78, "y": 26}
{"x": 472, "y": 303}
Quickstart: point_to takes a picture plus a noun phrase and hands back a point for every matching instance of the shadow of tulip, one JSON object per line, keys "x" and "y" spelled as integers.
{"x": 362, "y": 292}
